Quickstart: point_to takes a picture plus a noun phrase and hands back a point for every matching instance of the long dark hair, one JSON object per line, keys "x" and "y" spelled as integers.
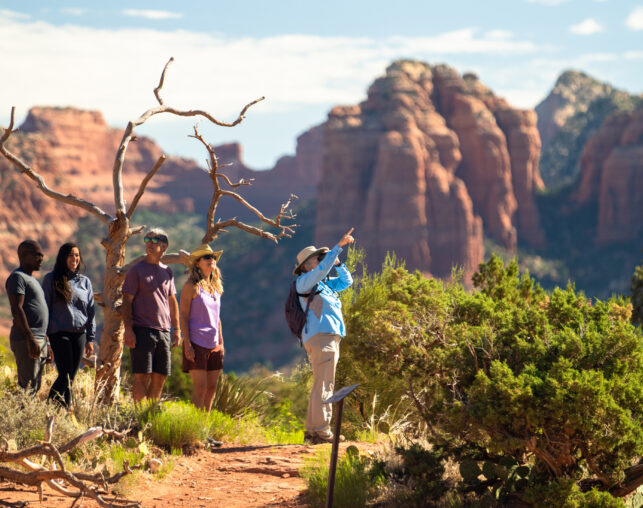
{"x": 62, "y": 273}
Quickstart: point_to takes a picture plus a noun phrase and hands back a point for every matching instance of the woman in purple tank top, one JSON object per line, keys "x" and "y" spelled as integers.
{"x": 203, "y": 349}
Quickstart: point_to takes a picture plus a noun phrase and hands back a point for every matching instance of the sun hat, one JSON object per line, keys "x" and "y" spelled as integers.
{"x": 307, "y": 253}
{"x": 201, "y": 251}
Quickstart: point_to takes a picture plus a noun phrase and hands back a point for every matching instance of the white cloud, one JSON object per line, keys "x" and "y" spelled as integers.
{"x": 547, "y": 2}
{"x": 213, "y": 72}
{"x": 4, "y": 13}
{"x": 463, "y": 41}
{"x": 588, "y": 26}
{"x": 73, "y": 11}
{"x": 96, "y": 69}
{"x": 635, "y": 20}
{"x": 151, "y": 14}
{"x": 499, "y": 34}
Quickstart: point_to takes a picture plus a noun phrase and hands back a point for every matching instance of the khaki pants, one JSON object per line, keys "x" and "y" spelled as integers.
{"x": 323, "y": 353}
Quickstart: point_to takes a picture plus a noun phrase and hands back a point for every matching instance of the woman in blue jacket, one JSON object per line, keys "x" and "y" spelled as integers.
{"x": 324, "y": 328}
{"x": 72, "y": 326}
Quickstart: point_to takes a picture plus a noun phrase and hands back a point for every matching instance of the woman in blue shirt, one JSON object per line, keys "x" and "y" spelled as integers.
{"x": 324, "y": 329}
{"x": 72, "y": 326}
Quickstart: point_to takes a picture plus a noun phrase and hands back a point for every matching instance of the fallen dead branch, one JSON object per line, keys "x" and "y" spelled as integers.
{"x": 75, "y": 485}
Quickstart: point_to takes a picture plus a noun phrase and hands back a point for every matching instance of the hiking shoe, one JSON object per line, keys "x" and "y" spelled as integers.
{"x": 326, "y": 438}
{"x": 213, "y": 443}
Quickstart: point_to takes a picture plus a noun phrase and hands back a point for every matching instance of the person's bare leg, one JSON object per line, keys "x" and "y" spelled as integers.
{"x": 139, "y": 389}
{"x": 156, "y": 386}
{"x": 212, "y": 378}
{"x": 199, "y": 380}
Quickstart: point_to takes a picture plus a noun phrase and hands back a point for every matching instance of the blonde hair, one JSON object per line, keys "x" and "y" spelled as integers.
{"x": 196, "y": 278}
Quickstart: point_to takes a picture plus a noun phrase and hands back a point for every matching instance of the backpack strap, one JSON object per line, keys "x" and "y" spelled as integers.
{"x": 309, "y": 299}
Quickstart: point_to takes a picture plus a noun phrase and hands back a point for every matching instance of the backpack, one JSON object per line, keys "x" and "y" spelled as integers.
{"x": 295, "y": 315}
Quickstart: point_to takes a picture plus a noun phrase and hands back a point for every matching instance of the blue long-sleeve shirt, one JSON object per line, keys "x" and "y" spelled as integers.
{"x": 325, "y": 312}
{"x": 75, "y": 316}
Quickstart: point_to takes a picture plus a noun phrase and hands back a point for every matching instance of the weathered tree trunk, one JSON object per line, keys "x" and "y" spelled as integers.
{"x": 107, "y": 381}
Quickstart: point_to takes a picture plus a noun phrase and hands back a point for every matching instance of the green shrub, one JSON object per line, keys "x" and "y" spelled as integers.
{"x": 355, "y": 482}
{"x": 237, "y": 395}
{"x": 174, "y": 424}
{"x": 508, "y": 370}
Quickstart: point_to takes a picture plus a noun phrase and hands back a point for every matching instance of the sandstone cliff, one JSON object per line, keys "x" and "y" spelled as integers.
{"x": 74, "y": 151}
{"x": 612, "y": 177}
{"x": 423, "y": 163}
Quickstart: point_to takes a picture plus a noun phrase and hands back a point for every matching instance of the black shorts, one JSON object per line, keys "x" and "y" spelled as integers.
{"x": 204, "y": 359}
{"x": 153, "y": 351}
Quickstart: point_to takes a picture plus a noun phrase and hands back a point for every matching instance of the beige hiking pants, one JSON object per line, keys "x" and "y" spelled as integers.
{"x": 323, "y": 353}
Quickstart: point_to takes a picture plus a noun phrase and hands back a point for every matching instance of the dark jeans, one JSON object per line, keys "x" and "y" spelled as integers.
{"x": 68, "y": 348}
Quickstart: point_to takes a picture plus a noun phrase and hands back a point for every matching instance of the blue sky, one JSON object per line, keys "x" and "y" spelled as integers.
{"x": 305, "y": 57}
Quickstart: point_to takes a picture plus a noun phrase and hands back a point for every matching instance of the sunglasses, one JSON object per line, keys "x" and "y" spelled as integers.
{"x": 208, "y": 257}
{"x": 321, "y": 257}
{"x": 155, "y": 239}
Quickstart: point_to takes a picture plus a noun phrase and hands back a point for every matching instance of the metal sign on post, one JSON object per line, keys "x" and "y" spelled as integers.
{"x": 338, "y": 397}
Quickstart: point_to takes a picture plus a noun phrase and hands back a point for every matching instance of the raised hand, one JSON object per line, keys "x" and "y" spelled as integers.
{"x": 346, "y": 239}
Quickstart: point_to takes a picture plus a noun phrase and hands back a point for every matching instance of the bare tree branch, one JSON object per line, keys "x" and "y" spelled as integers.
{"x": 219, "y": 227}
{"x": 70, "y": 199}
{"x": 157, "y": 90}
{"x": 241, "y": 182}
{"x": 38, "y": 474}
{"x": 143, "y": 185}
{"x": 283, "y": 212}
{"x": 117, "y": 172}
{"x": 213, "y": 229}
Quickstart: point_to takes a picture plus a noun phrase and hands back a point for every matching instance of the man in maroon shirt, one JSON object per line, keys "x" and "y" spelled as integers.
{"x": 150, "y": 311}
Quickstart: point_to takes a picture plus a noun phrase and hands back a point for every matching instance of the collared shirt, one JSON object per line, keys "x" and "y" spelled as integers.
{"x": 76, "y": 316}
{"x": 325, "y": 311}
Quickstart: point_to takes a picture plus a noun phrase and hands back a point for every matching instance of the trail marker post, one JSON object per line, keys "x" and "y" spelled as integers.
{"x": 338, "y": 397}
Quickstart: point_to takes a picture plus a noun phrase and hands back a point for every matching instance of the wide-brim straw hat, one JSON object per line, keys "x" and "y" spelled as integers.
{"x": 307, "y": 253}
{"x": 201, "y": 251}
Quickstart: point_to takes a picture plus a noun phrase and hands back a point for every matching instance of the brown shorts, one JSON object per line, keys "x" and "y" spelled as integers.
{"x": 204, "y": 359}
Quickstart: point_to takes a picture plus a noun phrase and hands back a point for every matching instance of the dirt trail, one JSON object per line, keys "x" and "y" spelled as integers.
{"x": 232, "y": 476}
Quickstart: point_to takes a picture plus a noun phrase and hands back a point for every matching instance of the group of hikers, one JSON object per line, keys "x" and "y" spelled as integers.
{"x": 56, "y": 321}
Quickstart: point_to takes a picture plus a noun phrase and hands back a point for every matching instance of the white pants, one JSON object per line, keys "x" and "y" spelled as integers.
{"x": 323, "y": 353}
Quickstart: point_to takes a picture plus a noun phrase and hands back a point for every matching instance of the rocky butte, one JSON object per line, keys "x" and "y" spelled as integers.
{"x": 429, "y": 163}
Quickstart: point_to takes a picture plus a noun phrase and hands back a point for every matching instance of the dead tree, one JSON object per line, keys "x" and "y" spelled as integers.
{"x": 119, "y": 228}
{"x": 57, "y": 476}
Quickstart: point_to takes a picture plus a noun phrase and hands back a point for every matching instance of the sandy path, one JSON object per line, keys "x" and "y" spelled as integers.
{"x": 232, "y": 476}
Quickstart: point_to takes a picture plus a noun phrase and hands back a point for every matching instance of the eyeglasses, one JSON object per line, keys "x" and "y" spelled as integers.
{"x": 155, "y": 239}
{"x": 208, "y": 256}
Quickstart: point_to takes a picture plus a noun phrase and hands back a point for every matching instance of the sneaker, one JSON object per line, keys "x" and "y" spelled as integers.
{"x": 214, "y": 443}
{"x": 326, "y": 438}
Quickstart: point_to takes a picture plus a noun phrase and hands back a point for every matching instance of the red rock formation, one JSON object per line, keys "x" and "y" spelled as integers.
{"x": 612, "y": 176}
{"x": 418, "y": 164}
{"x": 74, "y": 151}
